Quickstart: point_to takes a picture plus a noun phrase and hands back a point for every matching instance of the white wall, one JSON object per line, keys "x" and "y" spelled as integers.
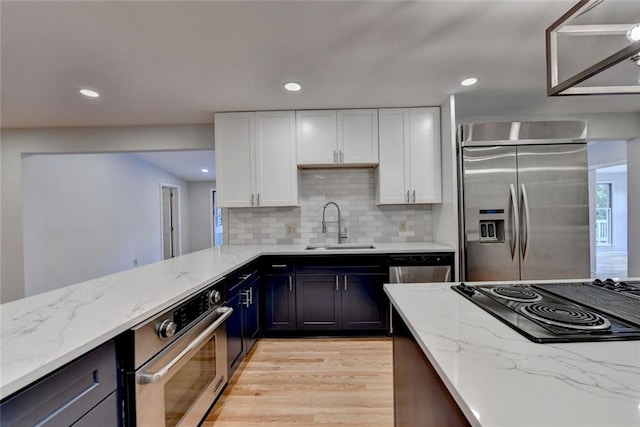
{"x": 200, "y": 220}
{"x": 89, "y": 215}
{"x": 16, "y": 142}
{"x": 445, "y": 214}
{"x": 607, "y": 153}
{"x": 633, "y": 191}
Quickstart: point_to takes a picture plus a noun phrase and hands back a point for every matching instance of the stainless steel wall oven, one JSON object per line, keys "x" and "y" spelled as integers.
{"x": 177, "y": 362}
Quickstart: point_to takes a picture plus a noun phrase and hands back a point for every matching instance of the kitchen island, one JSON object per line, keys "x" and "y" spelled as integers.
{"x": 42, "y": 333}
{"x": 496, "y": 377}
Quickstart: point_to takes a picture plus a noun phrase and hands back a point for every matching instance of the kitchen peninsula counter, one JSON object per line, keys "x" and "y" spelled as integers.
{"x": 499, "y": 378}
{"x": 41, "y": 333}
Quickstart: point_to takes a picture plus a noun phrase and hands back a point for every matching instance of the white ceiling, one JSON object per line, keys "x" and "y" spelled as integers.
{"x": 187, "y": 165}
{"x": 612, "y": 169}
{"x": 181, "y": 61}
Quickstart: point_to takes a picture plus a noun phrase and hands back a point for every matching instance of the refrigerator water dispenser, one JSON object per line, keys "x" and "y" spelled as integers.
{"x": 492, "y": 231}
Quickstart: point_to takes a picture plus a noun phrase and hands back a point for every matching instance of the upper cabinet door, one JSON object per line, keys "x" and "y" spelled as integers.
{"x": 234, "y": 146}
{"x": 409, "y": 169}
{"x": 424, "y": 155}
{"x": 358, "y": 137}
{"x": 276, "y": 171}
{"x": 317, "y": 138}
{"x": 392, "y": 181}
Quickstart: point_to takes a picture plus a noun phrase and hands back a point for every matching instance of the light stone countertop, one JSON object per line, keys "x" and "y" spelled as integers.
{"x": 499, "y": 378}
{"x": 43, "y": 332}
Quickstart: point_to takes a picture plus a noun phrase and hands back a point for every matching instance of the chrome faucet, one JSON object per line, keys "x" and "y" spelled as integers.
{"x": 342, "y": 234}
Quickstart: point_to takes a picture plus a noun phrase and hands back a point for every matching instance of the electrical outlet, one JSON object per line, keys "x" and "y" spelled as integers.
{"x": 135, "y": 262}
{"x": 291, "y": 228}
{"x": 402, "y": 226}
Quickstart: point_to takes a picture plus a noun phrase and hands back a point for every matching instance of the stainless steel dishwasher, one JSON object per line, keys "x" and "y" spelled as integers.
{"x": 419, "y": 268}
{"x": 422, "y": 268}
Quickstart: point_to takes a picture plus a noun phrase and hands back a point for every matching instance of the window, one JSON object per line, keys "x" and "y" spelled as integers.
{"x": 604, "y": 221}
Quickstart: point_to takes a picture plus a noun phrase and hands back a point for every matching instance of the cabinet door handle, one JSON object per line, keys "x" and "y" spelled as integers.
{"x": 337, "y": 284}
{"x": 245, "y": 294}
{"x": 250, "y": 296}
{"x": 290, "y": 284}
{"x": 341, "y": 156}
{"x": 278, "y": 265}
{"x": 345, "y": 282}
{"x": 414, "y": 196}
{"x": 335, "y": 156}
{"x": 258, "y": 198}
{"x": 251, "y": 199}
{"x": 408, "y": 196}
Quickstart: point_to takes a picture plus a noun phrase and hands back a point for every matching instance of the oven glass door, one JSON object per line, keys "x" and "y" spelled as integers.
{"x": 178, "y": 386}
{"x": 187, "y": 384}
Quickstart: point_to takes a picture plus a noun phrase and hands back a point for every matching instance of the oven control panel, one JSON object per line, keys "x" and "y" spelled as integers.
{"x": 191, "y": 310}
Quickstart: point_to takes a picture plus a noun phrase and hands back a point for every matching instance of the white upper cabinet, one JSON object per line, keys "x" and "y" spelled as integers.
{"x": 358, "y": 137}
{"x": 317, "y": 137}
{"x": 256, "y": 159}
{"x": 337, "y": 138}
{"x": 276, "y": 171}
{"x": 409, "y": 169}
{"x": 234, "y": 147}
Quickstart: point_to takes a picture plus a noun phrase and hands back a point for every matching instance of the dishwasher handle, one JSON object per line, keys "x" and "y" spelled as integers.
{"x": 420, "y": 274}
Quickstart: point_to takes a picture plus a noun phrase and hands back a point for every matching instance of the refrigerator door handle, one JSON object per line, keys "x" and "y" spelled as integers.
{"x": 515, "y": 232}
{"x": 525, "y": 229}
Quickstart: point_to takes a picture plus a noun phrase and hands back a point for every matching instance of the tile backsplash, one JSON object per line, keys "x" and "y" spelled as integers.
{"x": 354, "y": 191}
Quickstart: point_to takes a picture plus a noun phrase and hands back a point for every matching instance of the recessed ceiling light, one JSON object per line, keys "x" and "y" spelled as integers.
{"x": 469, "y": 82}
{"x": 204, "y": 170}
{"x": 89, "y": 93}
{"x": 292, "y": 86}
{"x": 634, "y": 33}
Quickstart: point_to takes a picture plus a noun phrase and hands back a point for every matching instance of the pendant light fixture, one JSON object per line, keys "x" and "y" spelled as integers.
{"x": 578, "y": 83}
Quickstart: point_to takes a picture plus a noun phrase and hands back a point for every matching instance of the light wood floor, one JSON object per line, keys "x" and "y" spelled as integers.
{"x": 310, "y": 382}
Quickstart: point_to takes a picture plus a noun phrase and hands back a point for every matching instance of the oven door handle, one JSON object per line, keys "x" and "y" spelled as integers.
{"x": 150, "y": 378}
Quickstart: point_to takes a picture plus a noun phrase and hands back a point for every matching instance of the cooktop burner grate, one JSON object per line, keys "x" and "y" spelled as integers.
{"x": 559, "y": 319}
{"x": 565, "y": 316}
{"x": 624, "y": 306}
{"x": 516, "y": 294}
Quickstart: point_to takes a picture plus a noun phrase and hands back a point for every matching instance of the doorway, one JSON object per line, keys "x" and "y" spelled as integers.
{"x": 170, "y": 220}
{"x": 217, "y": 230}
{"x": 611, "y": 221}
{"x": 608, "y": 211}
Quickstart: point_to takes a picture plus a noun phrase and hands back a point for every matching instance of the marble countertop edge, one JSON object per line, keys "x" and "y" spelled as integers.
{"x": 28, "y": 352}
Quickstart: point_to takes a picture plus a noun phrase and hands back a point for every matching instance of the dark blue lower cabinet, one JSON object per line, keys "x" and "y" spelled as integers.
{"x": 364, "y": 304}
{"x": 279, "y": 303}
{"x": 337, "y": 302}
{"x": 104, "y": 414}
{"x": 243, "y": 326}
{"x": 235, "y": 341}
{"x": 251, "y": 314}
{"x": 82, "y": 391}
{"x": 318, "y": 302}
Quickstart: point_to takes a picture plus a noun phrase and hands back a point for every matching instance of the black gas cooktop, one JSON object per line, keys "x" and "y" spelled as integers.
{"x": 563, "y": 312}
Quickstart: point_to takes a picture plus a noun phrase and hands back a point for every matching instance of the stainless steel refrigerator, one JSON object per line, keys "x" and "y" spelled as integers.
{"x": 524, "y": 200}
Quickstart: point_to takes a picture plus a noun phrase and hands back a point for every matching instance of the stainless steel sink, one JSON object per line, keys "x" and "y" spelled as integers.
{"x": 340, "y": 246}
